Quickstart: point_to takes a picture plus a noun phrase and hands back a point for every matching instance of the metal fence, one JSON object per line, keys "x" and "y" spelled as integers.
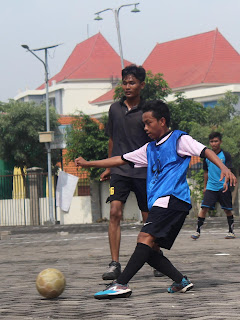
{"x": 24, "y": 199}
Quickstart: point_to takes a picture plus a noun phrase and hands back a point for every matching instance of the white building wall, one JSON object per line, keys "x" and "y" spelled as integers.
{"x": 79, "y": 212}
{"x": 77, "y": 98}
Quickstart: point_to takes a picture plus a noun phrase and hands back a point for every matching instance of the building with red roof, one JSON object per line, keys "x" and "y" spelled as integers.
{"x": 204, "y": 66}
{"x": 92, "y": 69}
{"x": 202, "y": 60}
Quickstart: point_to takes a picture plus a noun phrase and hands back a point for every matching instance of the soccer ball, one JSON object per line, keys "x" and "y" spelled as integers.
{"x": 50, "y": 283}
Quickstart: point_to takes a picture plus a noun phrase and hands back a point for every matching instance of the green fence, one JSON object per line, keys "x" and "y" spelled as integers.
{"x": 6, "y": 185}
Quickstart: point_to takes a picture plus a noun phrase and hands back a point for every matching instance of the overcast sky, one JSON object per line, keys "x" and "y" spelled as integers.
{"x": 40, "y": 23}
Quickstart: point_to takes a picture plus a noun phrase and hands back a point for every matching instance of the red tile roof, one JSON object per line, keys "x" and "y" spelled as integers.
{"x": 203, "y": 58}
{"x": 93, "y": 58}
{"x": 108, "y": 96}
{"x": 65, "y": 120}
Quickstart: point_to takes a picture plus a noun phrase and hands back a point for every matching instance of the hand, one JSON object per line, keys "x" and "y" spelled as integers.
{"x": 105, "y": 175}
{"x": 204, "y": 190}
{"x": 81, "y": 162}
{"x": 229, "y": 178}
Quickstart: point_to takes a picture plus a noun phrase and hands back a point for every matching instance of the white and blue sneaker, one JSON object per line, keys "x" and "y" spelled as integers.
{"x": 230, "y": 235}
{"x": 184, "y": 286}
{"x": 195, "y": 236}
{"x": 114, "y": 290}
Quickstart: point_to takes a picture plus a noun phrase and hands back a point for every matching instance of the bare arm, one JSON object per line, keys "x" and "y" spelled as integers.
{"x": 110, "y": 147}
{"x": 106, "y": 174}
{"x": 105, "y": 163}
{"x": 225, "y": 172}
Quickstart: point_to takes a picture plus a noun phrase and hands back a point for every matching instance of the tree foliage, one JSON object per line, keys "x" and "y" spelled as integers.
{"x": 20, "y": 124}
{"x": 86, "y": 137}
{"x": 3, "y": 106}
{"x": 223, "y": 111}
{"x": 186, "y": 112}
{"x": 198, "y": 185}
{"x": 155, "y": 88}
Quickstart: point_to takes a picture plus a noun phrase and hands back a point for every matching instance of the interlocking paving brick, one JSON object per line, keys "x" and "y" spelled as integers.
{"x": 212, "y": 263}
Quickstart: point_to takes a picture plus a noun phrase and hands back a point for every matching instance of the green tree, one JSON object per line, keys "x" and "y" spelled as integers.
{"x": 185, "y": 113}
{"x": 223, "y": 111}
{"x": 155, "y": 88}
{"x": 86, "y": 137}
{"x": 2, "y": 106}
{"x": 20, "y": 124}
{"x": 198, "y": 185}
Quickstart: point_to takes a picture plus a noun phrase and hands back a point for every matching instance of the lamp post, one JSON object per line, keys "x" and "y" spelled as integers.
{"x": 49, "y": 165}
{"x": 116, "y": 15}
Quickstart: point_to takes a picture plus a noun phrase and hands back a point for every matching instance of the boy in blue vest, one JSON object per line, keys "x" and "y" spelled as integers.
{"x": 213, "y": 187}
{"x": 167, "y": 160}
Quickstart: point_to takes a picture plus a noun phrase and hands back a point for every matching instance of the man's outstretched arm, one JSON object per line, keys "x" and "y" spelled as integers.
{"x": 105, "y": 163}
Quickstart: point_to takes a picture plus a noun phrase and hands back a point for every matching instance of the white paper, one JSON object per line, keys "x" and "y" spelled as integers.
{"x": 66, "y": 186}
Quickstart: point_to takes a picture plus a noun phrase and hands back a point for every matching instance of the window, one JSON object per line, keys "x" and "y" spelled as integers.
{"x": 210, "y": 104}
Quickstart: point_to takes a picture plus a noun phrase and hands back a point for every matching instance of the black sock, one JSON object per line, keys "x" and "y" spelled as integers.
{"x": 230, "y": 220}
{"x": 158, "y": 261}
{"x": 200, "y": 223}
{"x": 139, "y": 257}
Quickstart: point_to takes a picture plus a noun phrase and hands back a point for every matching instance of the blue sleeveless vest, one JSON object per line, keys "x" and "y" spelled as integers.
{"x": 166, "y": 173}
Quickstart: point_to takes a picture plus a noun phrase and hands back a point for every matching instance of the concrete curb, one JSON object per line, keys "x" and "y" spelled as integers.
{"x": 190, "y": 223}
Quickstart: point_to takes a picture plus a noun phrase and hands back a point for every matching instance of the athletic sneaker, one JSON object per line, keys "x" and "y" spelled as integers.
{"x": 113, "y": 271}
{"x": 195, "y": 236}
{"x": 157, "y": 273}
{"x": 183, "y": 286}
{"x": 230, "y": 235}
{"x": 114, "y": 290}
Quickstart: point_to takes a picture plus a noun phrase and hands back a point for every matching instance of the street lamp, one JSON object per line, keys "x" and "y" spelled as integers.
{"x": 116, "y": 15}
{"x": 47, "y": 125}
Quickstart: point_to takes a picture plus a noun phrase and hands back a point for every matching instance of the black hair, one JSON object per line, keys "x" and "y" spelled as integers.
{"x": 215, "y": 135}
{"x": 138, "y": 72}
{"x": 159, "y": 110}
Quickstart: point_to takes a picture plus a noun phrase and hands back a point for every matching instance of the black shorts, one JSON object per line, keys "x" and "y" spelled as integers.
{"x": 120, "y": 187}
{"x": 211, "y": 197}
{"x": 164, "y": 225}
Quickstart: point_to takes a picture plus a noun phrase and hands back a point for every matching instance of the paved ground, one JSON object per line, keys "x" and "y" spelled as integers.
{"x": 82, "y": 254}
